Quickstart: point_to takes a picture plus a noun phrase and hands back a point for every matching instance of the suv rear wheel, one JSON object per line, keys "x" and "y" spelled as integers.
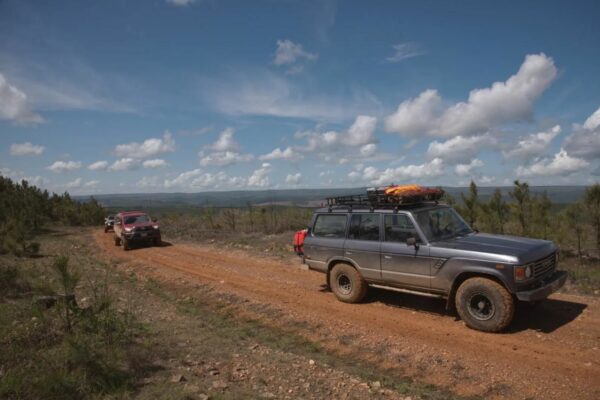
{"x": 347, "y": 284}
{"x": 484, "y": 304}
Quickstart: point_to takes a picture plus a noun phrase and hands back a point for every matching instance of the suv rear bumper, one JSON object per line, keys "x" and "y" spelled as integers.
{"x": 549, "y": 286}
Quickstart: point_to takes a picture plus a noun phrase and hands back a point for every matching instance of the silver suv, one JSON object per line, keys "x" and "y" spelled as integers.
{"x": 429, "y": 249}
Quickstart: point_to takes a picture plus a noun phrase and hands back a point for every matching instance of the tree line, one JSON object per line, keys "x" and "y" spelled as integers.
{"x": 26, "y": 209}
{"x": 576, "y": 225}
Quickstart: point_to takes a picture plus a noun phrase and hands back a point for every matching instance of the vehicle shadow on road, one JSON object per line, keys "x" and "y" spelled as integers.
{"x": 546, "y": 316}
{"x": 146, "y": 246}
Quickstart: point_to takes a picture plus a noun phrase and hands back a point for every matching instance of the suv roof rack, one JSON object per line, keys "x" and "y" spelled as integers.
{"x": 391, "y": 197}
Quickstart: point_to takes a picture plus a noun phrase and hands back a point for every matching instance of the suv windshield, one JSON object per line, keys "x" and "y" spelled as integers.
{"x": 137, "y": 219}
{"x": 441, "y": 223}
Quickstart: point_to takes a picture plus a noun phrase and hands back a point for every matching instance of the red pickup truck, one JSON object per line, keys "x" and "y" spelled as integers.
{"x": 136, "y": 227}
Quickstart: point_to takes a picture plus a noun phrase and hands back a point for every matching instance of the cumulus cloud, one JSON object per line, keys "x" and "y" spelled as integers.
{"x": 225, "y": 142}
{"x": 124, "y": 164}
{"x": 91, "y": 184}
{"x": 223, "y": 158}
{"x": 98, "y": 166}
{"x": 14, "y": 105}
{"x": 293, "y": 179}
{"x": 156, "y": 163}
{"x": 148, "y": 148}
{"x": 532, "y": 145}
{"x": 360, "y": 133}
{"x": 225, "y": 151}
{"x": 584, "y": 142}
{"x": 388, "y": 176}
{"x": 26, "y": 149}
{"x": 18, "y": 176}
{"x": 467, "y": 169}
{"x": 63, "y": 166}
{"x": 74, "y": 184}
{"x": 402, "y": 51}
{"x": 459, "y": 149}
{"x": 259, "y": 177}
{"x": 199, "y": 179}
{"x": 561, "y": 164}
{"x": 290, "y": 53}
{"x": 181, "y": 3}
{"x": 288, "y": 154}
{"x": 502, "y": 103}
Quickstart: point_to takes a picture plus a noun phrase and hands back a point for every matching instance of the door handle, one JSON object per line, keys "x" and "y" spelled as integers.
{"x": 387, "y": 257}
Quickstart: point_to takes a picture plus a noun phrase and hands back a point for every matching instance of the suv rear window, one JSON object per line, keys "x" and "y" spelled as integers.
{"x": 330, "y": 226}
{"x": 364, "y": 227}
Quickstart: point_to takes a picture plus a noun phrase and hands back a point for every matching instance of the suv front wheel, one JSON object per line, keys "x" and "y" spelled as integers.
{"x": 484, "y": 304}
{"x": 347, "y": 284}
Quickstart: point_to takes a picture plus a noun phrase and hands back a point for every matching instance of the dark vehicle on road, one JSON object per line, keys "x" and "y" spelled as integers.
{"x": 109, "y": 223}
{"x": 133, "y": 227}
{"x": 415, "y": 244}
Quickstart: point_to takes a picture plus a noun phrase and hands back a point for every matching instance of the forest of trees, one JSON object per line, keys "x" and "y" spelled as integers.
{"x": 25, "y": 210}
{"x": 575, "y": 226}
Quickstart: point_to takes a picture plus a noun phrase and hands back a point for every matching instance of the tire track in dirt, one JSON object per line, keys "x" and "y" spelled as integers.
{"x": 551, "y": 352}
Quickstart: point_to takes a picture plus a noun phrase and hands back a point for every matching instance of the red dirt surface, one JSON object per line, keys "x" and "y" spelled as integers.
{"x": 550, "y": 352}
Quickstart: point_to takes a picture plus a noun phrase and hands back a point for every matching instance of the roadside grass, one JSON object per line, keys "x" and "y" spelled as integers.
{"x": 62, "y": 338}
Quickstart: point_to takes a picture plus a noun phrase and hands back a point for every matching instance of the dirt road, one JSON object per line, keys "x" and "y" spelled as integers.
{"x": 551, "y": 352}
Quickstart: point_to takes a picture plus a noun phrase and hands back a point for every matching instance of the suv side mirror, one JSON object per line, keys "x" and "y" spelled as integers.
{"x": 411, "y": 241}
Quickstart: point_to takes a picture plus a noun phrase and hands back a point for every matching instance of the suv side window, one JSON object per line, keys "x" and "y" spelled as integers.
{"x": 399, "y": 228}
{"x": 330, "y": 226}
{"x": 364, "y": 227}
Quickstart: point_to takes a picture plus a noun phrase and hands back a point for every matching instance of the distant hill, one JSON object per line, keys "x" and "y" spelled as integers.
{"x": 300, "y": 197}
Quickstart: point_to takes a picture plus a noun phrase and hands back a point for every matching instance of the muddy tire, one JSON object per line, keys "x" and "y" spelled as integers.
{"x": 117, "y": 241}
{"x": 347, "y": 284}
{"x": 485, "y": 305}
{"x": 157, "y": 242}
{"x": 126, "y": 245}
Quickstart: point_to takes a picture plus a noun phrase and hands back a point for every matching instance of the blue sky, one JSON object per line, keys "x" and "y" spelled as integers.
{"x": 154, "y": 96}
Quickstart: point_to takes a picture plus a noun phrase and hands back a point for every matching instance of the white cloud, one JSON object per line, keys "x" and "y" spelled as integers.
{"x": 459, "y": 149}
{"x": 19, "y": 176}
{"x": 584, "y": 142}
{"x": 181, "y": 3}
{"x": 198, "y": 179}
{"x": 288, "y": 154}
{"x": 368, "y": 150}
{"x": 402, "y": 51}
{"x": 223, "y": 158}
{"x": 156, "y": 163}
{"x": 124, "y": 164}
{"x": 98, "y": 166}
{"x": 288, "y": 53}
{"x": 504, "y": 102}
{"x": 561, "y": 164}
{"x": 467, "y": 169}
{"x": 533, "y": 145}
{"x": 388, "y": 176}
{"x": 414, "y": 117}
{"x": 259, "y": 177}
{"x": 14, "y": 105}
{"x": 293, "y": 179}
{"x": 26, "y": 149}
{"x": 225, "y": 151}
{"x": 74, "y": 184}
{"x": 150, "y": 147}
{"x": 63, "y": 166}
{"x": 91, "y": 184}
{"x": 361, "y": 132}
{"x": 226, "y": 142}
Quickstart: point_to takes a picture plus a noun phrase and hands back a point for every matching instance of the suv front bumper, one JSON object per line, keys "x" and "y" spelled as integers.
{"x": 549, "y": 286}
{"x": 144, "y": 236}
